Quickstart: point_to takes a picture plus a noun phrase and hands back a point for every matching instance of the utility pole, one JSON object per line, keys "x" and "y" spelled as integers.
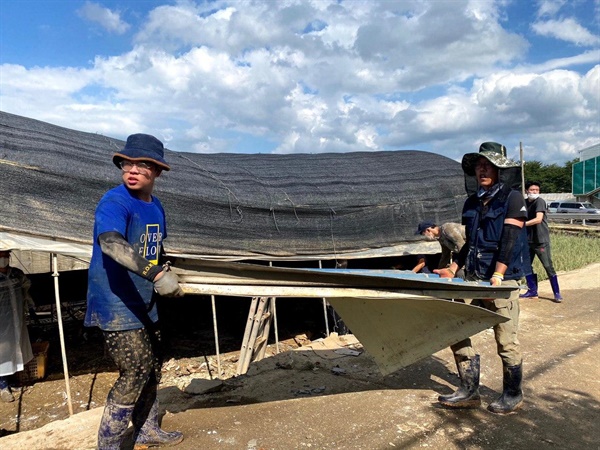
{"x": 522, "y": 169}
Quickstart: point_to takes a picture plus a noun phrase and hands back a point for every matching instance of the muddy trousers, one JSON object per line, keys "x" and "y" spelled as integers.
{"x": 138, "y": 358}
{"x": 508, "y": 348}
{"x": 507, "y": 341}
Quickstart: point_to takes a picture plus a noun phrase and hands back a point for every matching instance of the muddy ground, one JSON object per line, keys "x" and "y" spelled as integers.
{"x": 324, "y": 398}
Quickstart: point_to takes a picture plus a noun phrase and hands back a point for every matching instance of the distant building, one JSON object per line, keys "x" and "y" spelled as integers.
{"x": 586, "y": 175}
{"x": 560, "y": 197}
{"x": 589, "y": 152}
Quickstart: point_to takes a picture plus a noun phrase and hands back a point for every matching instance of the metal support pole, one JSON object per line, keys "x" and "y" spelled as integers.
{"x": 61, "y": 332}
{"x": 522, "y": 169}
{"x": 325, "y": 309}
{"x": 273, "y": 301}
{"x": 214, "y": 313}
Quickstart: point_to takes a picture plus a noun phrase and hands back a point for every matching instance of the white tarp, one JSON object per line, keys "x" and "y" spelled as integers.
{"x": 15, "y": 348}
{"x": 33, "y": 254}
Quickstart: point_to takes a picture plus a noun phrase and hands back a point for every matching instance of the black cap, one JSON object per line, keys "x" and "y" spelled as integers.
{"x": 424, "y": 225}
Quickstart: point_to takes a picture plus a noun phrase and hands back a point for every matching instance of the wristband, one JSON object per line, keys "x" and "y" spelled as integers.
{"x": 498, "y": 275}
{"x": 150, "y": 271}
{"x": 451, "y": 271}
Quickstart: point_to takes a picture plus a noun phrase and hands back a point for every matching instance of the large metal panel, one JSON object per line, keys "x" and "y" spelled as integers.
{"x": 398, "y": 316}
{"x": 250, "y": 277}
{"x": 398, "y": 332}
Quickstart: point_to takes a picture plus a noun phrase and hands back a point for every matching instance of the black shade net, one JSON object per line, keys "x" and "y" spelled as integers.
{"x": 231, "y": 206}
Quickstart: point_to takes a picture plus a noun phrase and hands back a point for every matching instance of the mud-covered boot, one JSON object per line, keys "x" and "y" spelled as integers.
{"x": 113, "y": 425}
{"x": 147, "y": 431}
{"x": 467, "y": 395}
{"x": 532, "y": 287}
{"x": 555, "y": 289}
{"x": 6, "y": 394}
{"x": 512, "y": 394}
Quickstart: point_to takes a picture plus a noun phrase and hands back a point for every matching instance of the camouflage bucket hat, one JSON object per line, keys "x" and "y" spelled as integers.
{"x": 492, "y": 151}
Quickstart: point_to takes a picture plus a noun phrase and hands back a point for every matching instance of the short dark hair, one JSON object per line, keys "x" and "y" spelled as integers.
{"x": 532, "y": 183}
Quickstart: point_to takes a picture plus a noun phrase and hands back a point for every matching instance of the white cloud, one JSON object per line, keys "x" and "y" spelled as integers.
{"x": 568, "y": 30}
{"x": 323, "y": 76}
{"x": 512, "y": 107}
{"x": 109, "y": 20}
{"x": 585, "y": 58}
{"x": 51, "y": 90}
{"x": 549, "y": 7}
{"x": 589, "y": 85}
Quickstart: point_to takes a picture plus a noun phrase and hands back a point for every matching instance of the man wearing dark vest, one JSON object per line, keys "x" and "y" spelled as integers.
{"x": 494, "y": 216}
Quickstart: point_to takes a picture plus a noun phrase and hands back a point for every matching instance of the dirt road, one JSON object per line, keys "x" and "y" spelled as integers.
{"x": 319, "y": 400}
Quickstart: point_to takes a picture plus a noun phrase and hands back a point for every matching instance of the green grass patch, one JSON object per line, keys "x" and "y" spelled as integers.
{"x": 569, "y": 252}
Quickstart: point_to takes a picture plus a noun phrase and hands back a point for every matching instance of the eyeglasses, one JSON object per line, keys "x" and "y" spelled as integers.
{"x": 141, "y": 165}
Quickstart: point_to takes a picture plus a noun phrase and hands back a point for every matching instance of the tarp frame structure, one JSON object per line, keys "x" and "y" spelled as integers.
{"x": 244, "y": 207}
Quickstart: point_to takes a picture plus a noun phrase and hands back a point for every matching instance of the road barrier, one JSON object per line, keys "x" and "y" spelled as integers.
{"x": 585, "y": 218}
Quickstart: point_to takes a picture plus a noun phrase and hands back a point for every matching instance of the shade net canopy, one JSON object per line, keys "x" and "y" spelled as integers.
{"x": 232, "y": 206}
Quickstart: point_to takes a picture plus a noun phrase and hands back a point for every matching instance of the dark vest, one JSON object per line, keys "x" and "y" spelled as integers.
{"x": 484, "y": 226}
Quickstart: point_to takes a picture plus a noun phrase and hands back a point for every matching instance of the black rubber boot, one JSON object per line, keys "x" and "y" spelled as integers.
{"x": 113, "y": 425}
{"x": 147, "y": 431}
{"x": 512, "y": 394}
{"x": 467, "y": 395}
{"x": 555, "y": 289}
{"x": 532, "y": 287}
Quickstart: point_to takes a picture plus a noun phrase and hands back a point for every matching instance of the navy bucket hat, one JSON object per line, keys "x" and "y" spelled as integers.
{"x": 424, "y": 225}
{"x": 142, "y": 147}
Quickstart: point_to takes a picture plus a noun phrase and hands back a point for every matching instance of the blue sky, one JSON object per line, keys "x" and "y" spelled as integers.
{"x": 311, "y": 76}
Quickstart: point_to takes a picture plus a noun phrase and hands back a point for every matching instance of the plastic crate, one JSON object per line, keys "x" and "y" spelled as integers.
{"x": 36, "y": 368}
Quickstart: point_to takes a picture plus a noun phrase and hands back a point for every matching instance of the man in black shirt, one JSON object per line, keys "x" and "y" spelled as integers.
{"x": 538, "y": 236}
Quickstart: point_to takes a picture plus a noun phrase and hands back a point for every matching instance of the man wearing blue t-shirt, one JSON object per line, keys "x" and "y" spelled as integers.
{"x": 124, "y": 272}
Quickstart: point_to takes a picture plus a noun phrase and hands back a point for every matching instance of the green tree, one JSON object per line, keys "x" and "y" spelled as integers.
{"x": 552, "y": 177}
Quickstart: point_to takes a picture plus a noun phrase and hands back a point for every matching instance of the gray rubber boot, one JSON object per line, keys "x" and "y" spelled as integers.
{"x": 147, "y": 429}
{"x": 113, "y": 425}
{"x": 512, "y": 394}
{"x": 467, "y": 395}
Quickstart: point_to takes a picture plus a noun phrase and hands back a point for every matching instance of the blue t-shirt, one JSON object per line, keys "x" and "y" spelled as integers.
{"x": 117, "y": 298}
